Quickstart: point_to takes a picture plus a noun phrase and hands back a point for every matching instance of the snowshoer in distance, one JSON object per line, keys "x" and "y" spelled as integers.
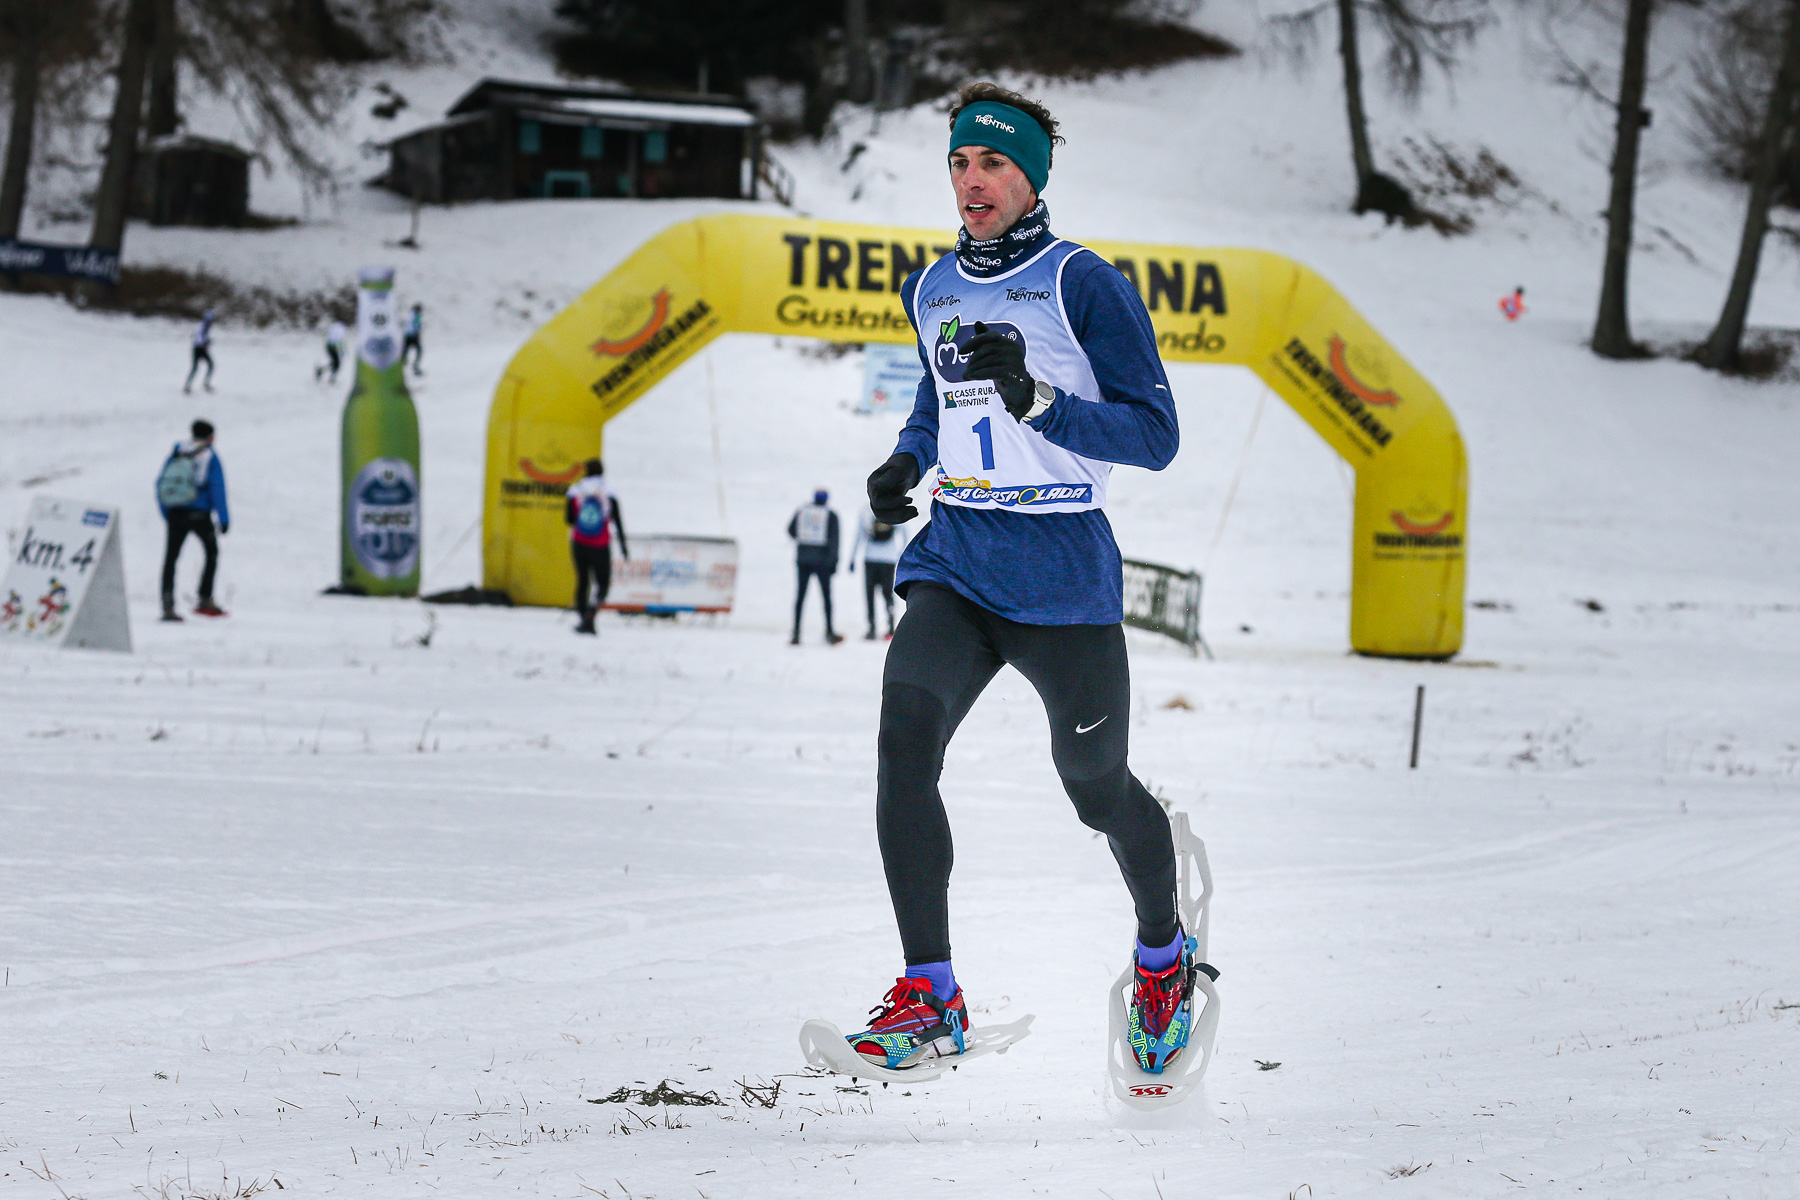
{"x": 880, "y": 545}
{"x": 202, "y": 352}
{"x": 1513, "y": 307}
{"x": 190, "y": 488}
{"x": 814, "y": 528}
{"x": 591, "y": 511}
{"x": 336, "y": 339}
{"x": 411, "y": 331}
{"x": 1041, "y": 372}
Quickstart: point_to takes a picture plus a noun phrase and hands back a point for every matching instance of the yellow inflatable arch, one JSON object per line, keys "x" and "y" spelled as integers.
{"x": 797, "y": 277}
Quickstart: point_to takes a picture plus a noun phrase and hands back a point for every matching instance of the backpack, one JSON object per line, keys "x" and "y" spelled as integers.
{"x": 179, "y": 484}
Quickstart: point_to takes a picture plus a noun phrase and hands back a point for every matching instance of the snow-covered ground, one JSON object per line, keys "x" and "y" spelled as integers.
{"x": 293, "y": 896}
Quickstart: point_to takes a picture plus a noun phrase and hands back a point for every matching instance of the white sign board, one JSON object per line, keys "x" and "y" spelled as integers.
{"x": 65, "y": 580}
{"x": 891, "y": 377}
{"x": 675, "y": 574}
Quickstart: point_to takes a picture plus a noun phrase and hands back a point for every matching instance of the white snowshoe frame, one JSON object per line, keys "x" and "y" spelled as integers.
{"x": 825, "y": 1046}
{"x": 1131, "y": 1083}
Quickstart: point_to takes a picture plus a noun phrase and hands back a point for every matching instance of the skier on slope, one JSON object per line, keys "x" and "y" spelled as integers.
{"x": 1041, "y": 371}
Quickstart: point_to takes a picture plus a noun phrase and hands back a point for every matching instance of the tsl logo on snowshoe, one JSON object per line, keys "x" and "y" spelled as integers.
{"x": 1150, "y": 1089}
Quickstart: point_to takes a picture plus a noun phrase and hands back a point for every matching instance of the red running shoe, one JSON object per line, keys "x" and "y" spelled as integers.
{"x": 207, "y": 608}
{"x": 912, "y": 1023}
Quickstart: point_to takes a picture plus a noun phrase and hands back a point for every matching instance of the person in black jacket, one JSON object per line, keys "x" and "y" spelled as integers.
{"x": 814, "y": 529}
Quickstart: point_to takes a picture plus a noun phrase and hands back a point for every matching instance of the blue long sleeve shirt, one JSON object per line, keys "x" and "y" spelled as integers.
{"x": 211, "y": 494}
{"x": 1053, "y": 568}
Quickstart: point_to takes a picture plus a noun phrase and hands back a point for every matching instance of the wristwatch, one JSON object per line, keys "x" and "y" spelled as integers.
{"x": 1046, "y": 396}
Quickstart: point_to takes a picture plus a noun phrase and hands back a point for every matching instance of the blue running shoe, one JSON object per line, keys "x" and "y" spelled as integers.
{"x": 1162, "y": 1009}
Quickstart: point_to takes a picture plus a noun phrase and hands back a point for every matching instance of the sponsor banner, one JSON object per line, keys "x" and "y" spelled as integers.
{"x": 980, "y": 491}
{"x": 671, "y": 574}
{"x": 891, "y": 377}
{"x": 46, "y": 258}
{"x": 65, "y": 578}
{"x": 793, "y": 276}
{"x": 1164, "y": 600}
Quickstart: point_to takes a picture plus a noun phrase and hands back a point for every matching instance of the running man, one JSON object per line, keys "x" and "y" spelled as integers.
{"x": 880, "y": 545}
{"x": 1041, "y": 372}
{"x": 411, "y": 332}
{"x": 591, "y": 511}
{"x": 202, "y": 352}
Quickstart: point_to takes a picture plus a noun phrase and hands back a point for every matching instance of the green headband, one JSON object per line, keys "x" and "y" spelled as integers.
{"x": 1009, "y": 130}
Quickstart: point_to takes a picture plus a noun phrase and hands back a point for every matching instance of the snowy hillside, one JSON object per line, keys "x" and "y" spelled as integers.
{"x": 328, "y": 894}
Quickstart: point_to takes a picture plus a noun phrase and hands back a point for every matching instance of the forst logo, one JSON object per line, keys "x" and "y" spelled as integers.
{"x": 947, "y": 353}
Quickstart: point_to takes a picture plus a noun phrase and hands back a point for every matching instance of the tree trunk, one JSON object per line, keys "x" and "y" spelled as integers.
{"x": 856, "y": 51}
{"x": 1612, "y": 325}
{"x": 1353, "y": 94}
{"x": 163, "y": 116}
{"x": 122, "y": 130}
{"x": 1723, "y": 346}
{"x": 19, "y": 138}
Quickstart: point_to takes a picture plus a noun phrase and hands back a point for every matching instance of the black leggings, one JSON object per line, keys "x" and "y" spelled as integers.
{"x": 593, "y": 573}
{"x": 804, "y": 572}
{"x": 879, "y": 577}
{"x": 944, "y": 653}
{"x": 183, "y": 521}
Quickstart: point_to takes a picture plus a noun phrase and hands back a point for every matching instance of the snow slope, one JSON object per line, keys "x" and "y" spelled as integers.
{"x": 293, "y": 896}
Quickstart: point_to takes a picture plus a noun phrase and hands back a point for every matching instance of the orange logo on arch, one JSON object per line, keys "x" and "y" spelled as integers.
{"x": 1414, "y": 527}
{"x": 659, "y": 312}
{"x": 533, "y": 471}
{"x": 1340, "y": 363}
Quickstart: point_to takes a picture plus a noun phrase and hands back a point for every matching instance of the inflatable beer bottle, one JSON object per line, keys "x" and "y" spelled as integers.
{"x": 381, "y": 524}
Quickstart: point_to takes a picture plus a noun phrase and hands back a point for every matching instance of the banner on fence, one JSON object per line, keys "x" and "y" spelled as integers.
{"x": 65, "y": 581}
{"x": 670, "y": 574}
{"x": 45, "y": 258}
{"x": 1166, "y": 601}
{"x": 891, "y": 377}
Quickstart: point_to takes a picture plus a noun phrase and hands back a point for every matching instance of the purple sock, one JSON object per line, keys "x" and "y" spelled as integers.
{"x": 1161, "y": 958}
{"x": 943, "y": 979}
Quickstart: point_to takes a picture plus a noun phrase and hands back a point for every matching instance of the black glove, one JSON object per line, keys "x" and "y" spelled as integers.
{"x": 999, "y": 358}
{"x": 888, "y": 485}
{"x": 225, "y": 527}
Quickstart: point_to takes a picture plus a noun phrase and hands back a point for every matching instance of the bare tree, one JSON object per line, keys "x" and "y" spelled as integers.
{"x": 35, "y": 37}
{"x": 1418, "y": 34}
{"x": 163, "y": 116}
{"x": 122, "y": 129}
{"x": 857, "y": 76}
{"x": 1723, "y": 346}
{"x": 1612, "y": 325}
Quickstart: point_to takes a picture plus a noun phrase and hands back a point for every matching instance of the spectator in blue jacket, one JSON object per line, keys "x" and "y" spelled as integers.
{"x": 189, "y": 490}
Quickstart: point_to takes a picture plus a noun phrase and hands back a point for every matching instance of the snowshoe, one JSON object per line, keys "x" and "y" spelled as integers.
{"x": 1164, "y": 1023}
{"x": 912, "y": 1024}
{"x": 915, "y": 1038}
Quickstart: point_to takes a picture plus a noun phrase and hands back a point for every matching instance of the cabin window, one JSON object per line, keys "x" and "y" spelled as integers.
{"x": 531, "y": 137}
{"x": 593, "y": 142}
{"x": 656, "y": 146}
